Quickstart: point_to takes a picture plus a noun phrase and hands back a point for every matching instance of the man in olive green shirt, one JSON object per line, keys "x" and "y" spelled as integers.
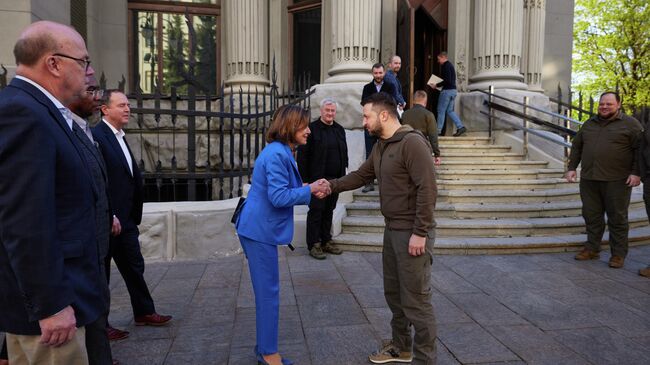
{"x": 607, "y": 144}
{"x": 424, "y": 121}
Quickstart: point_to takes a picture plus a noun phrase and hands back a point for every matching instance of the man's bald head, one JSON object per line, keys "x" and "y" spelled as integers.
{"x": 54, "y": 56}
{"x": 41, "y": 38}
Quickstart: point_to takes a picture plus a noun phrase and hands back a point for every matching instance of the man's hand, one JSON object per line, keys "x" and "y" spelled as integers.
{"x": 571, "y": 176}
{"x": 417, "y": 245}
{"x": 116, "y": 229}
{"x": 633, "y": 181}
{"x": 320, "y": 188}
{"x": 437, "y": 161}
{"x": 58, "y": 329}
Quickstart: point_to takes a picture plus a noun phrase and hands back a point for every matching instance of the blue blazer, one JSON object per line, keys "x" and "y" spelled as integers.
{"x": 48, "y": 250}
{"x": 267, "y": 215}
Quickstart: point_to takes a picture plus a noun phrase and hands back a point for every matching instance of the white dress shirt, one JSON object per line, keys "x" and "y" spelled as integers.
{"x": 119, "y": 135}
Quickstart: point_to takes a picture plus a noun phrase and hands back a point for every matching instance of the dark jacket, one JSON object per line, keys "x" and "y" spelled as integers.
{"x": 48, "y": 248}
{"x": 403, "y": 166}
{"x": 424, "y": 121}
{"x": 391, "y": 77}
{"x": 644, "y": 154}
{"x": 125, "y": 191}
{"x": 608, "y": 149}
{"x": 370, "y": 88}
{"x": 312, "y": 156}
{"x": 448, "y": 76}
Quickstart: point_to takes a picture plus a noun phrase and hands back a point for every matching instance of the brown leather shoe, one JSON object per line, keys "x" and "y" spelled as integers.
{"x": 115, "y": 362}
{"x": 154, "y": 319}
{"x": 114, "y": 334}
{"x": 616, "y": 262}
{"x": 645, "y": 272}
{"x": 587, "y": 254}
{"x": 329, "y": 247}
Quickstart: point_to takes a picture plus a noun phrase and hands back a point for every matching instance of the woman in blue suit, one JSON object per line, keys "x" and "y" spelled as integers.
{"x": 266, "y": 220}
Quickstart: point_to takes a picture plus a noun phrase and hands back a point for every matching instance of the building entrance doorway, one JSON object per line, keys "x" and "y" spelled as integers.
{"x": 421, "y": 36}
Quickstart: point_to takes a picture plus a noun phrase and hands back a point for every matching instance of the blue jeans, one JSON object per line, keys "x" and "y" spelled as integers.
{"x": 446, "y": 107}
{"x": 265, "y": 275}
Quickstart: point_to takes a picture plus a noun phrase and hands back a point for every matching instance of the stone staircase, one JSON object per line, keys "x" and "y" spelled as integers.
{"x": 492, "y": 200}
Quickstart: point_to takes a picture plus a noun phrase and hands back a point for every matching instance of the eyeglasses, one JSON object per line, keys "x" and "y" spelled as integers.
{"x": 84, "y": 62}
{"x": 97, "y": 93}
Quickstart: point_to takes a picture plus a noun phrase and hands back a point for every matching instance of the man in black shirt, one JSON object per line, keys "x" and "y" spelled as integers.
{"x": 447, "y": 96}
{"x": 324, "y": 156}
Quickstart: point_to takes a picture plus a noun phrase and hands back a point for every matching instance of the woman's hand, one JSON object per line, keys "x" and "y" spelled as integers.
{"x": 320, "y": 188}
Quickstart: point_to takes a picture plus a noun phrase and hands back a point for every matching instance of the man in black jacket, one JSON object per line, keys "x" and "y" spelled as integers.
{"x": 378, "y": 84}
{"x": 125, "y": 194}
{"x": 324, "y": 156}
{"x": 447, "y": 96}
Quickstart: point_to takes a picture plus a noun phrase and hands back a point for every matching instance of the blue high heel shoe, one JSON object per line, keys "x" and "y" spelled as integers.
{"x": 261, "y": 361}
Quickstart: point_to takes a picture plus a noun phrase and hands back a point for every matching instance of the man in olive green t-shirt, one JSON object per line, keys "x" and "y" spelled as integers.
{"x": 607, "y": 145}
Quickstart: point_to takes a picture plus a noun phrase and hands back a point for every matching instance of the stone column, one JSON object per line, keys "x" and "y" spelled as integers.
{"x": 355, "y": 39}
{"x": 532, "y": 58}
{"x": 498, "y": 29}
{"x": 246, "y": 36}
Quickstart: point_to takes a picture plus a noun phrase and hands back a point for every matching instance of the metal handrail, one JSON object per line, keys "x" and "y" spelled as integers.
{"x": 566, "y": 129}
{"x": 524, "y": 116}
{"x": 532, "y": 107}
{"x": 535, "y": 132}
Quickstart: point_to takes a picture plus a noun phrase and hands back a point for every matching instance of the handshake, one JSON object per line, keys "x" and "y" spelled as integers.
{"x": 320, "y": 188}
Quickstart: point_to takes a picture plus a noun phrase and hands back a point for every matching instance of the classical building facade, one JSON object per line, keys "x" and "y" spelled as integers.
{"x": 514, "y": 44}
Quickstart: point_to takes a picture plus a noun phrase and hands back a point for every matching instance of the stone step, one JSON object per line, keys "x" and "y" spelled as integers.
{"x": 489, "y": 165}
{"x": 372, "y": 242}
{"x": 555, "y": 209}
{"x": 503, "y": 184}
{"x": 508, "y": 156}
{"x": 563, "y": 193}
{"x": 505, "y": 227}
{"x": 474, "y": 149}
{"x": 522, "y": 174}
{"x": 464, "y": 140}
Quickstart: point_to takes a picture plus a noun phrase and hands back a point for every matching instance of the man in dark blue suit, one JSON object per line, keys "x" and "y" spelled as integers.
{"x": 125, "y": 195}
{"x": 97, "y": 340}
{"x": 49, "y": 261}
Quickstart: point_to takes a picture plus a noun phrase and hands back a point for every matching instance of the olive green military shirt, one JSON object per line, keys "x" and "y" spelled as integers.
{"x": 607, "y": 149}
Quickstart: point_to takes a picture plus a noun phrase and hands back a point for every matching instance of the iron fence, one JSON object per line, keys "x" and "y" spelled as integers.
{"x": 203, "y": 147}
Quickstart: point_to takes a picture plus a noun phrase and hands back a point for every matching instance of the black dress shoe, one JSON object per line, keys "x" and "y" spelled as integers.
{"x": 460, "y": 132}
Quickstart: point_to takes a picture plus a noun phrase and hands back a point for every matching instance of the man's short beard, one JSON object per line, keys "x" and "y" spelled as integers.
{"x": 376, "y": 132}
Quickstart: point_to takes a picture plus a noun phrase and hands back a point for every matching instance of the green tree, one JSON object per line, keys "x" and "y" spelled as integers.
{"x": 612, "y": 49}
{"x": 175, "y": 54}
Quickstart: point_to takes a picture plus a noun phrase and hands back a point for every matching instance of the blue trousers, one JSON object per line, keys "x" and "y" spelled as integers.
{"x": 446, "y": 107}
{"x": 265, "y": 275}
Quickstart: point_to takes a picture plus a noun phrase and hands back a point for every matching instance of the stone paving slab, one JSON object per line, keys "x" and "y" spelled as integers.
{"x": 514, "y": 309}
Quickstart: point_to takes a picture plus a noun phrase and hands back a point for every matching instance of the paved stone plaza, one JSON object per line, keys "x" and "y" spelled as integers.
{"x": 536, "y": 309}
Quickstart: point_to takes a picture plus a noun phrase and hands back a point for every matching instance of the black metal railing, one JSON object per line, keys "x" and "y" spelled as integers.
{"x": 558, "y": 124}
{"x": 203, "y": 148}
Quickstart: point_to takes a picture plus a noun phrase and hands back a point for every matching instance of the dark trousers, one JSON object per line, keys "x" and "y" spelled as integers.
{"x": 319, "y": 219}
{"x": 3, "y": 352}
{"x": 646, "y": 196}
{"x": 97, "y": 344}
{"x": 407, "y": 288}
{"x": 611, "y": 198}
{"x": 370, "y": 142}
{"x": 125, "y": 250}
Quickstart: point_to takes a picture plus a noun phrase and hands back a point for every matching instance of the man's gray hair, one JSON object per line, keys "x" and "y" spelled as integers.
{"x": 328, "y": 101}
